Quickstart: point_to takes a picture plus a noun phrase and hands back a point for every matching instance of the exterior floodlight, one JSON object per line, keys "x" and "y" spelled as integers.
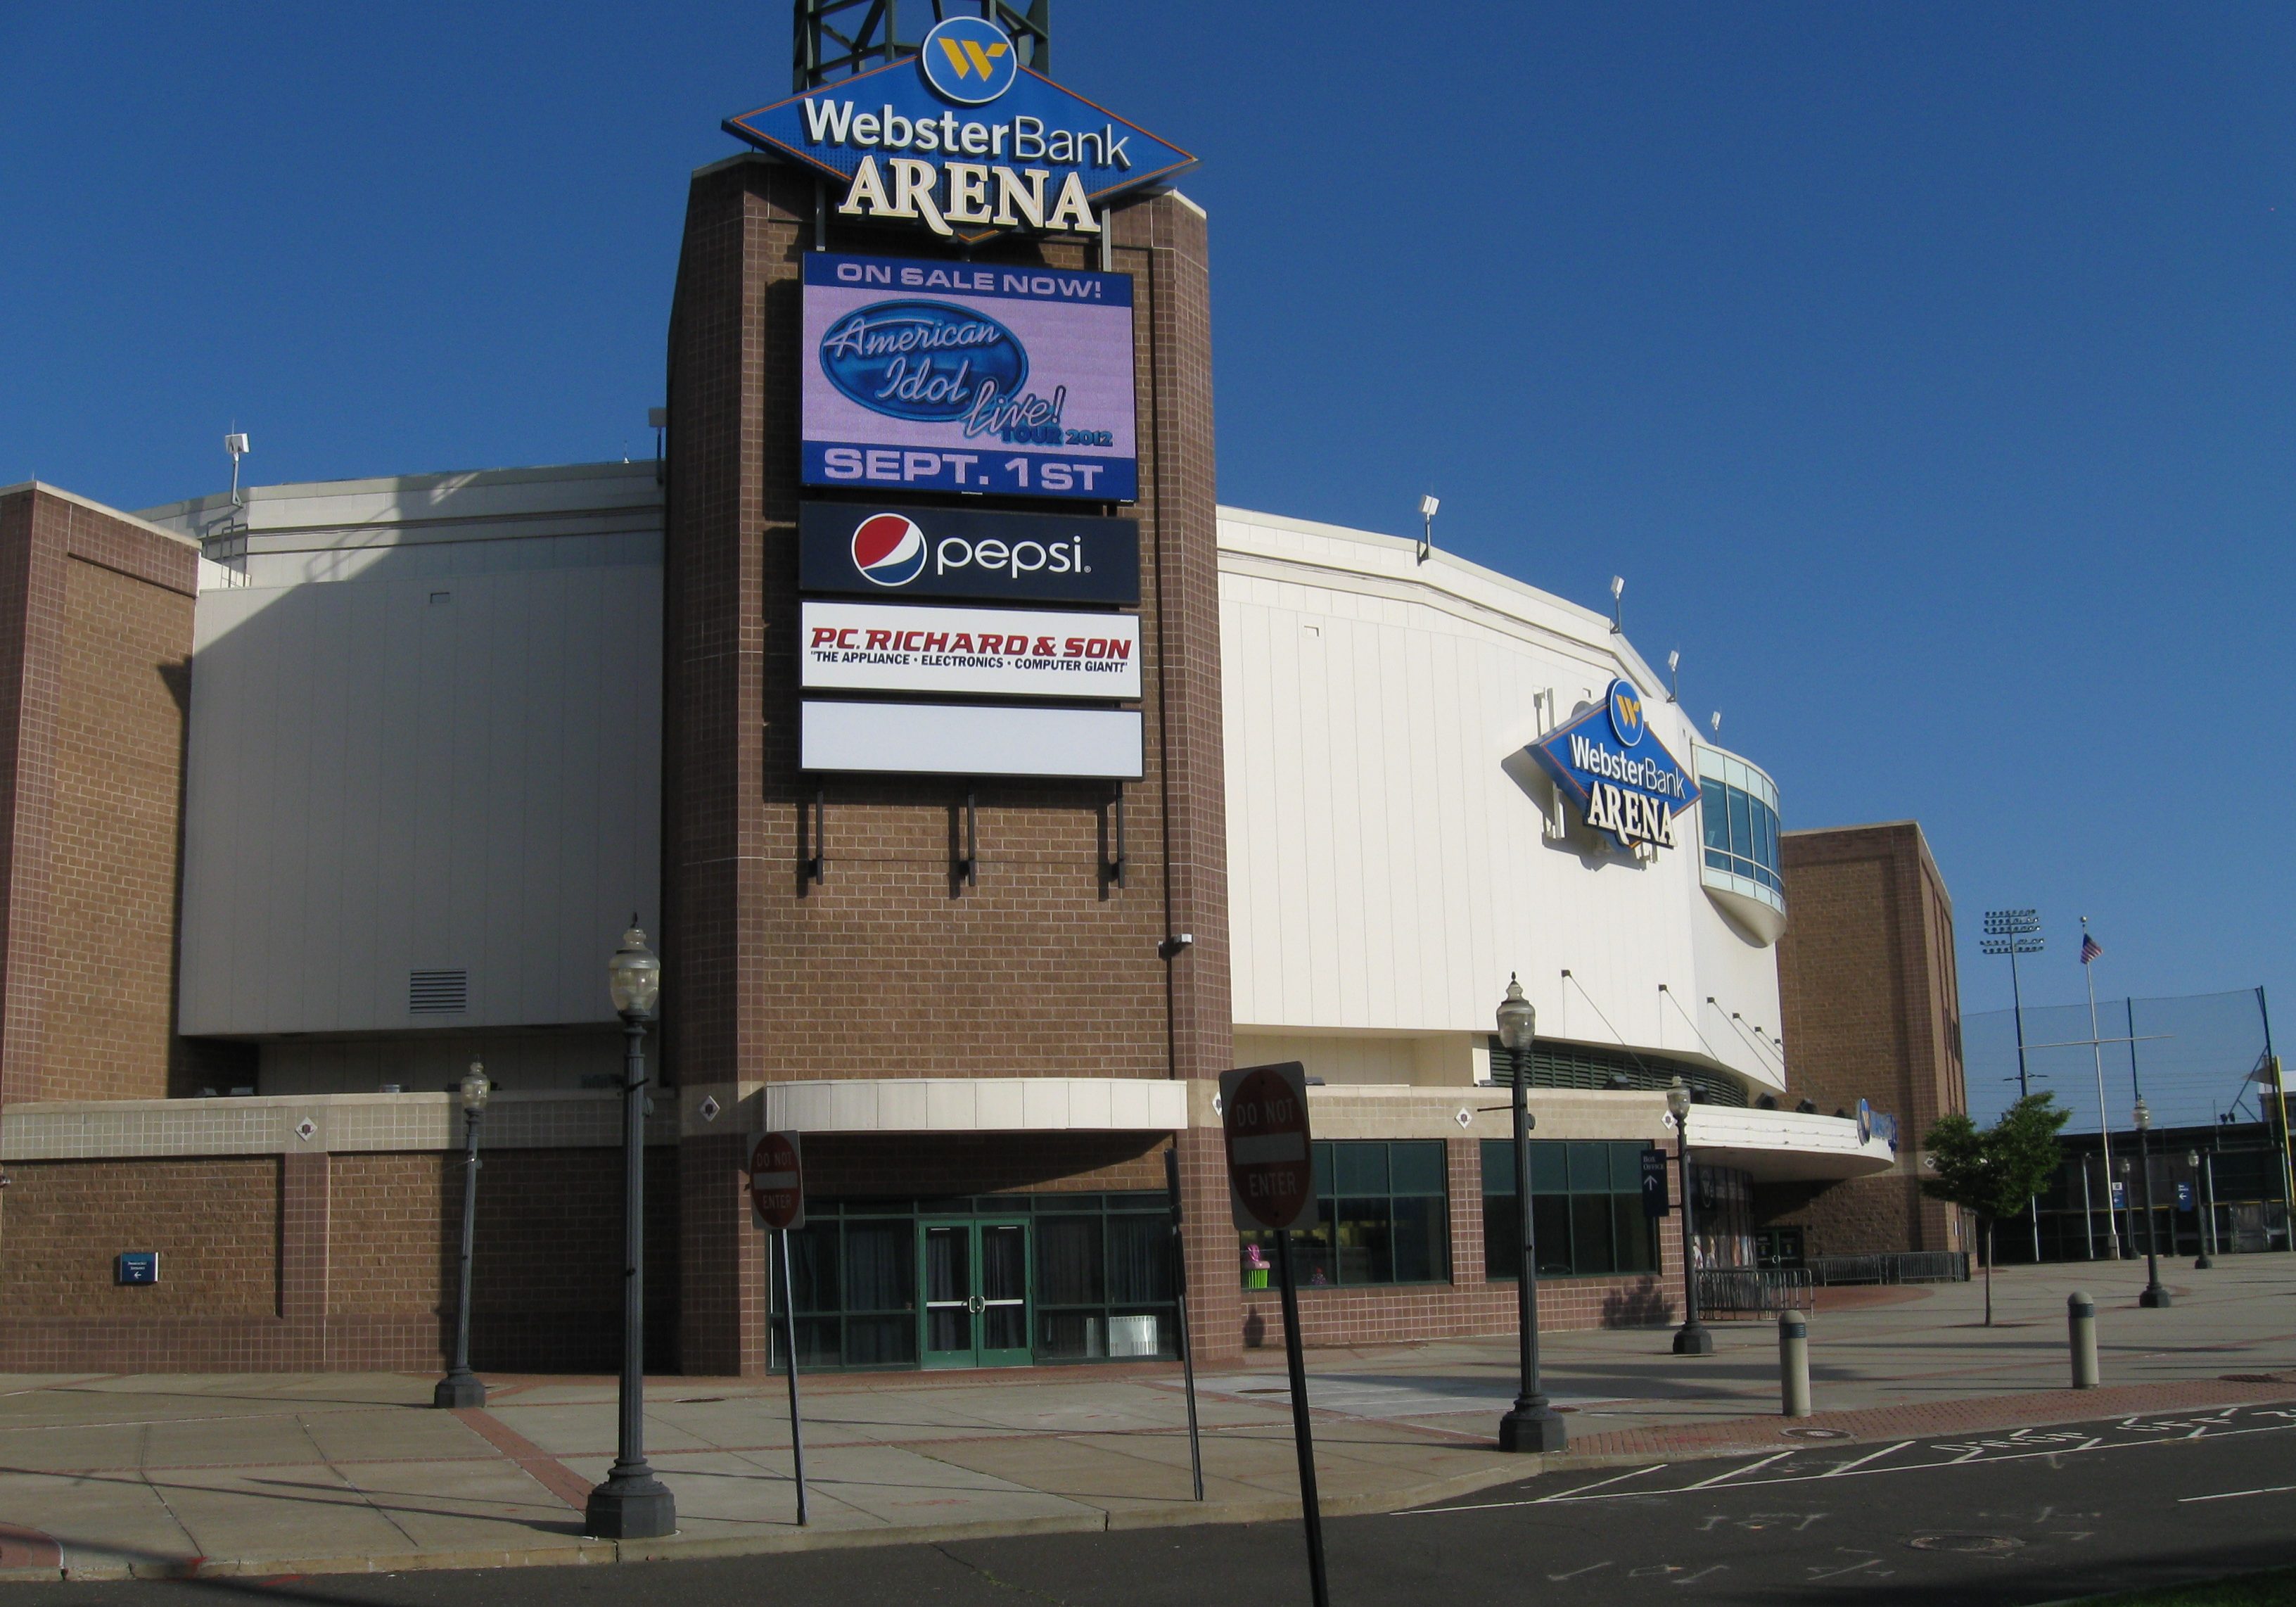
{"x": 1714, "y": 720}
{"x": 1674, "y": 674}
{"x": 236, "y": 443}
{"x": 634, "y": 974}
{"x": 1427, "y": 506}
{"x": 1617, "y": 592}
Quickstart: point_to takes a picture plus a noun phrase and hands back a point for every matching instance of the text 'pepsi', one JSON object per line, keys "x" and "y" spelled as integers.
{"x": 872, "y": 550}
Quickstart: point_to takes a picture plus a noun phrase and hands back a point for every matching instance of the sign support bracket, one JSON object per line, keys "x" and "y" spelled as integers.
{"x": 815, "y": 867}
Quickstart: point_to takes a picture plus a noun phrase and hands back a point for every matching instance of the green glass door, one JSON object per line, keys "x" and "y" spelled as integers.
{"x": 975, "y": 1286}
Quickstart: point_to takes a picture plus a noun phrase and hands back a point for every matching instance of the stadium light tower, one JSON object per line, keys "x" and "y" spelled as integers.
{"x": 2013, "y": 932}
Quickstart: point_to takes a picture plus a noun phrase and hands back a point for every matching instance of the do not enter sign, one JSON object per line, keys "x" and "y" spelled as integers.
{"x": 1271, "y": 1180}
{"x": 777, "y": 1181}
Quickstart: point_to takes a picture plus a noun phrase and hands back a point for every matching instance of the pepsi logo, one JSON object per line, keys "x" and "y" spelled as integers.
{"x": 888, "y": 549}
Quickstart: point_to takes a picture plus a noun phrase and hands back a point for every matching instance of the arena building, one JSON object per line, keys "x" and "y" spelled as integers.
{"x": 985, "y": 803}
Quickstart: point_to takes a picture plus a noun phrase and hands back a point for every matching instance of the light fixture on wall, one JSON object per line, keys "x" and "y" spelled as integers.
{"x": 1427, "y": 507}
{"x": 1617, "y": 613}
{"x": 1674, "y": 674}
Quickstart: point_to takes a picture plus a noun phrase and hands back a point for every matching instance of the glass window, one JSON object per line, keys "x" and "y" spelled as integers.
{"x": 1586, "y": 1208}
{"x": 1382, "y": 1217}
{"x": 1718, "y": 821}
{"x": 1741, "y": 825}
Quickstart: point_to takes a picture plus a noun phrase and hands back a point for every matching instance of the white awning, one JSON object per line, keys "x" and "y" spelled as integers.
{"x": 977, "y": 1104}
{"x": 1784, "y": 1146}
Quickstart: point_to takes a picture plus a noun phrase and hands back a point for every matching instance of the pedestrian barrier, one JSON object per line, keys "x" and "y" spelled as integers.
{"x": 1900, "y": 1267}
{"x": 1755, "y": 1290}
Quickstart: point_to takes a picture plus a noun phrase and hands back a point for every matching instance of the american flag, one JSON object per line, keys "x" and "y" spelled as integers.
{"x": 2090, "y": 948}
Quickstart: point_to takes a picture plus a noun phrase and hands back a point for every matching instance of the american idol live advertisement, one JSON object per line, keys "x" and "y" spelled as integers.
{"x": 956, "y": 376}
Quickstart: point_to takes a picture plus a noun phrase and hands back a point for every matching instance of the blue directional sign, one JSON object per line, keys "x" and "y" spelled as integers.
{"x": 1654, "y": 1180}
{"x": 136, "y": 1266}
{"x": 2184, "y": 1196}
{"x": 962, "y": 140}
{"x": 1610, "y": 764}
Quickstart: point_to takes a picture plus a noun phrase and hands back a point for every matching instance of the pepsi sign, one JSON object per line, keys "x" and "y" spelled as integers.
{"x": 1621, "y": 776}
{"x": 866, "y": 549}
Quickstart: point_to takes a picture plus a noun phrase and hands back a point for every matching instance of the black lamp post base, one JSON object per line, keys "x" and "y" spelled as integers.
{"x": 2201, "y": 1262}
{"x": 1692, "y": 1339}
{"x": 2154, "y": 1298}
{"x": 1538, "y": 1428}
{"x": 631, "y": 1507}
{"x": 459, "y": 1389}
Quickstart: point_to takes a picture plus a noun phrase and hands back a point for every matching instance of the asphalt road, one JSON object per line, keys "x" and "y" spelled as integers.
{"x": 2032, "y": 1515}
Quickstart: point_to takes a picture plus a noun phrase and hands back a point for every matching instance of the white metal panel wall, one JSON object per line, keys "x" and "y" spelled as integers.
{"x": 417, "y": 771}
{"x": 1385, "y": 872}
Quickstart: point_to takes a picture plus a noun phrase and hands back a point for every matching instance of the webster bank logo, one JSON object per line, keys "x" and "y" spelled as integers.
{"x": 1622, "y": 777}
{"x": 1626, "y": 713}
{"x": 969, "y": 60}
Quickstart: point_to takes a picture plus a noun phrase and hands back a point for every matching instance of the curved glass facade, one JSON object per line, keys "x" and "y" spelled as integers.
{"x": 1738, "y": 808}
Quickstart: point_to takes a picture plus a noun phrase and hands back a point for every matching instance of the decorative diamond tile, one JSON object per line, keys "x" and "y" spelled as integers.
{"x": 709, "y": 1107}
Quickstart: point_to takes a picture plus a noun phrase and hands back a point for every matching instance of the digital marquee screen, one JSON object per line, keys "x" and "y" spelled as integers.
{"x": 957, "y": 376}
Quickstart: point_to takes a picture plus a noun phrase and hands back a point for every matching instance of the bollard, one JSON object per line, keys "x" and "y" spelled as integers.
{"x": 2080, "y": 1323}
{"x": 1793, "y": 1363}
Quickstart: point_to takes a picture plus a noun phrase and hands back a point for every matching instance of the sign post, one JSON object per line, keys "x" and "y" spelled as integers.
{"x": 1272, "y": 1181}
{"x": 777, "y": 1201}
{"x": 1180, "y": 1292}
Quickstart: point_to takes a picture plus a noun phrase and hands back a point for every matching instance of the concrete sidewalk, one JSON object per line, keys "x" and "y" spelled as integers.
{"x": 104, "y": 1475}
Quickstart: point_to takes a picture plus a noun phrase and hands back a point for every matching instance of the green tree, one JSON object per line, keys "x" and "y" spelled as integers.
{"x": 1995, "y": 1171}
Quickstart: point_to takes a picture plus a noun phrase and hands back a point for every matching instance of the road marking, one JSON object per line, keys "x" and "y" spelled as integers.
{"x": 2094, "y": 1443}
{"x": 1750, "y": 1468}
{"x": 1600, "y": 1483}
{"x": 1836, "y": 1472}
{"x": 2269, "y": 1489}
{"x": 1574, "y": 1573}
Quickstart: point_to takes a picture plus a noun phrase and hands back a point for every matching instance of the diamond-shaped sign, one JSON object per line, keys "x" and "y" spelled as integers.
{"x": 708, "y": 1108}
{"x": 1032, "y": 155}
{"x": 306, "y": 1129}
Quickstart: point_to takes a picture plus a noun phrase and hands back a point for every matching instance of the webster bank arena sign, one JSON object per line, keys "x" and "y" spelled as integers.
{"x": 964, "y": 141}
{"x": 1621, "y": 776}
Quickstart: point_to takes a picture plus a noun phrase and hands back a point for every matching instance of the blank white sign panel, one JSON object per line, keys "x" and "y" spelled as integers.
{"x": 944, "y": 739}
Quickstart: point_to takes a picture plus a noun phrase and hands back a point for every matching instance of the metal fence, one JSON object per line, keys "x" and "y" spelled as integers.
{"x": 1901, "y": 1266}
{"x": 1756, "y": 1289}
{"x": 2192, "y": 1054}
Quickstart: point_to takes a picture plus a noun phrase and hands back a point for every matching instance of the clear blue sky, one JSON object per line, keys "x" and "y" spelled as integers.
{"x": 1926, "y": 369}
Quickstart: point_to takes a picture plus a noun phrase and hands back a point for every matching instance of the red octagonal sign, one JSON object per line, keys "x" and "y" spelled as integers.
{"x": 1271, "y": 1177}
{"x": 777, "y": 1181}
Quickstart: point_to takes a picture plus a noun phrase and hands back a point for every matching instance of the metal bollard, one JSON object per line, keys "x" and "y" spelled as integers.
{"x": 2080, "y": 1323}
{"x": 1793, "y": 1363}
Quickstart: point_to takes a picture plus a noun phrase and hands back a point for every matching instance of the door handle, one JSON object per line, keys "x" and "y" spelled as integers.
{"x": 975, "y": 1304}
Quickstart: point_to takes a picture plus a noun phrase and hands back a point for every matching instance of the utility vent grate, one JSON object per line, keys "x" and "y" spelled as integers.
{"x": 437, "y": 992}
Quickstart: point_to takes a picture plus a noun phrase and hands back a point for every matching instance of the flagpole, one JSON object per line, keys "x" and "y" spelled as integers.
{"x": 2103, "y": 1116}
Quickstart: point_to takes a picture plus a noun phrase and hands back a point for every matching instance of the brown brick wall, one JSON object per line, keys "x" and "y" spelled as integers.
{"x": 891, "y": 967}
{"x": 215, "y": 1223}
{"x": 95, "y": 636}
{"x": 312, "y": 1262}
{"x": 1871, "y": 1004}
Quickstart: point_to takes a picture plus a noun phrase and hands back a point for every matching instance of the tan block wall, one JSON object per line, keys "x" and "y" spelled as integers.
{"x": 215, "y": 1223}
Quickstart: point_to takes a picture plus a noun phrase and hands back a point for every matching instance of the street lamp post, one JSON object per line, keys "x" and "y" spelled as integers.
{"x": 632, "y": 1504}
{"x": 2205, "y": 1198}
{"x": 461, "y": 1387}
{"x": 1691, "y": 1338}
{"x": 1533, "y": 1425}
{"x": 2153, "y": 1295}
